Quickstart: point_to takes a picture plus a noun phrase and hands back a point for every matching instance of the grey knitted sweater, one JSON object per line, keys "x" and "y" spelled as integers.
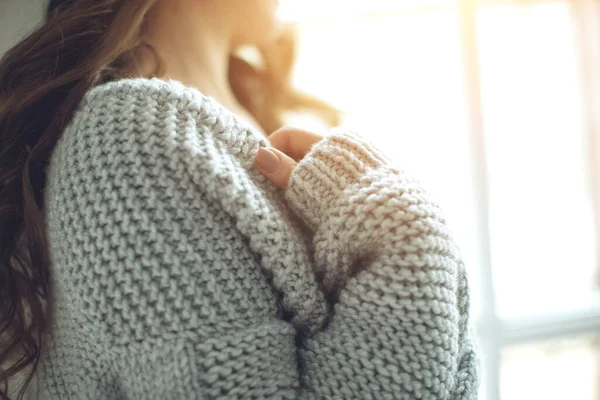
{"x": 180, "y": 272}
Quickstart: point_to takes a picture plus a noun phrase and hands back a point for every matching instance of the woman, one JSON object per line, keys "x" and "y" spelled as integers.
{"x": 150, "y": 250}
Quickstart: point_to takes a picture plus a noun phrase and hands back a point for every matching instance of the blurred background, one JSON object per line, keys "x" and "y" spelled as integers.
{"x": 495, "y": 106}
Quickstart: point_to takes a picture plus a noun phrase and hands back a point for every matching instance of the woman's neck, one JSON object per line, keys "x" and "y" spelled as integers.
{"x": 194, "y": 52}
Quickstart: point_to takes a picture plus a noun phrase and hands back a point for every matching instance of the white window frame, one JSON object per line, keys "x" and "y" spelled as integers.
{"x": 494, "y": 332}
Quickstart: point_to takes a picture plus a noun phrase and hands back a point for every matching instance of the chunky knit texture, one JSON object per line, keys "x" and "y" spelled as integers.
{"x": 181, "y": 272}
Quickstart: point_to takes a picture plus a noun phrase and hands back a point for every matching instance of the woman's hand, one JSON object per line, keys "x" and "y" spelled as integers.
{"x": 290, "y": 146}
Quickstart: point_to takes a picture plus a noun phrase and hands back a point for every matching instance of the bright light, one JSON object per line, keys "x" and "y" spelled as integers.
{"x": 294, "y": 10}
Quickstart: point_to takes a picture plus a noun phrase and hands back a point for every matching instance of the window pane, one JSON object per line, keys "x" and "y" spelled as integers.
{"x": 543, "y": 239}
{"x": 552, "y": 370}
{"x": 399, "y": 78}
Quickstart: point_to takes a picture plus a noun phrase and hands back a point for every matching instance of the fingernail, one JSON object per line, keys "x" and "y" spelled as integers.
{"x": 267, "y": 160}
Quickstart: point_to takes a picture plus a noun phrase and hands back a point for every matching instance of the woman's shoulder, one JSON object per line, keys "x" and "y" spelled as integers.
{"x": 154, "y": 118}
{"x": 141, "y": 119}
{"x": 146, "y": 106}
{"x": 142, "y": 95}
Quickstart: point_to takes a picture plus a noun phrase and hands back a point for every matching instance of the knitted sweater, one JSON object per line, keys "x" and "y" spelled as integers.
{"x": 180, "y": 272}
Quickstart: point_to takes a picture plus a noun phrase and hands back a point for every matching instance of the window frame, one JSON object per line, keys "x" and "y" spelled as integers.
{"x": 494, "y": 331}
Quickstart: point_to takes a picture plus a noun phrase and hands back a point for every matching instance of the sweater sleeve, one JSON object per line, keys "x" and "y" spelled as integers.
{"x": 385, "y": 257}
{"x": 172, "y": 304}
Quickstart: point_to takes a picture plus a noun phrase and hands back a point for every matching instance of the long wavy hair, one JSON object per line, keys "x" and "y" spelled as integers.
{"x": 83, "y": 43}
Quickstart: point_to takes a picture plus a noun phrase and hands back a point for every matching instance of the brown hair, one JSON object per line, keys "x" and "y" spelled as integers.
{"x": 42, "y": 80}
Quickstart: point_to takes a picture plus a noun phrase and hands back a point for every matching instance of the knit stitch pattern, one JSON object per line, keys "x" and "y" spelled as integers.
{"x": 180, "y": 272}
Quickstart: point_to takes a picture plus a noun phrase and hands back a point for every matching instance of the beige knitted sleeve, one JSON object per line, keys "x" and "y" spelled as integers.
{"x": 386, "y": 259}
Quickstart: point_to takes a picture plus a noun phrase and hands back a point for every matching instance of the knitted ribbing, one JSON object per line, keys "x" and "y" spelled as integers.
{"x": 179, "y": 271}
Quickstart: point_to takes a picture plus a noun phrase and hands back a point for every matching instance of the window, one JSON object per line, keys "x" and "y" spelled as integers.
{"x": 491, "y": 104}
{"x": 566, "y": 369}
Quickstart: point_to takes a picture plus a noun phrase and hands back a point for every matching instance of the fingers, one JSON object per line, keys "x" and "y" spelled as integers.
{"x": 275, "y": 165}
{"x": 290, "y": 145}
{"x": 294, "y": 142}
